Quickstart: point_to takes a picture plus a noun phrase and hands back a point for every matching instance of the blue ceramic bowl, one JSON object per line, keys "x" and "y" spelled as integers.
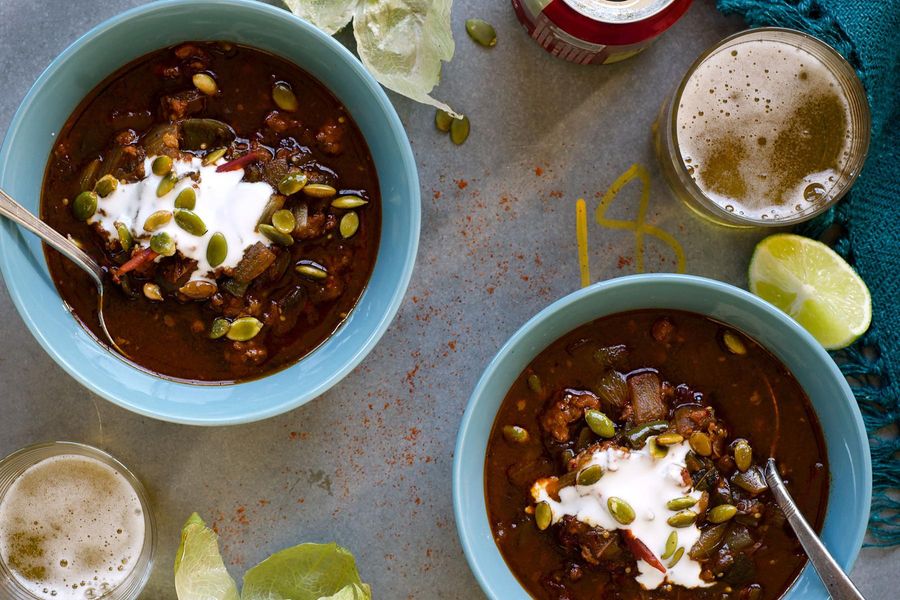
{"x": 68, "y": 80}
{"x": 850, "y": 493}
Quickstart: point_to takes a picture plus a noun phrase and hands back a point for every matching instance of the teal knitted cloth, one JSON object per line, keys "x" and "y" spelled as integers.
{"x": 867, "y": 33}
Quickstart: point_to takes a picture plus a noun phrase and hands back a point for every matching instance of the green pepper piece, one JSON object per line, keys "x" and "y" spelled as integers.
{"x": 637, "y": 436}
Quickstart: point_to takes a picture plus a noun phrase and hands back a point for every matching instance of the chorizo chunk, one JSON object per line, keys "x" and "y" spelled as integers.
{"x": 595, "y": 544}
{"x": 566, "y": 408}
{"x": 330, "y": 138}
{"x": 182, "y": 104}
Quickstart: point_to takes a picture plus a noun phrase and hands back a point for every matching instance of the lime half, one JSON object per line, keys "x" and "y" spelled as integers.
{"x": 812, "y": 283}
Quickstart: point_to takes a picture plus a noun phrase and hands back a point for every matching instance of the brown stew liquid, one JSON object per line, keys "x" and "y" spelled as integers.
{"x": 141, "y": 111}
{"x": 750, "y": 395}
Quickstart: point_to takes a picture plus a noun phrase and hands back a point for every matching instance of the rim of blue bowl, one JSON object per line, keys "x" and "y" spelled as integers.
{"x": 348, "y": 60}
{"x": 467, "y": 537}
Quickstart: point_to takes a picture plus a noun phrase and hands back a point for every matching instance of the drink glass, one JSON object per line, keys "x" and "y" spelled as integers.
{"x": 815, "y": 198}
{"x": 14, "y": 466}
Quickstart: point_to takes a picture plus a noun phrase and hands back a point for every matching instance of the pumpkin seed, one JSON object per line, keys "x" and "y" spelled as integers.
{"x": 292, "y": 183}
{"x": 681, "y": 503}
{"x": 534, "y": 383}
{"x": 589, "y": 475}
{"x": 89, "y": 175}
{"x": 198, "y": 289}
{"x": 186, "y": 198}
{"x": 162, "y": 243}
{"x": 282, "y": 239}
{"x": 743, "y": 454}
{"x": 700, "y": 443}
{"x": 515, "y": 434}
{"x": 205, "y": 83}
{"x": 600, "y": 423}
{"x": 319, "y": 190}
{"x": 459, "y": 130}
{"x": 220, "y": 327}
{"x": 284, "y": 97}
{"x": 481, "y": 32}
{"x": 349, "y": 224}
{"x": 671, "y": 545}
{"x": 216, "y": 250}
{"x": 166, "y": 184}
{"x": 126, "y": 240}
{"x": 284, "y": 221}
{"x": 214, "y": 155}
{"x": 190, "y": 221}
{"x": 85, "y": 205}
{"x": 311, "y": 270}
{"x": 721, "y": 513}
{"x": 244, "y": 329}
{"x": 734, "y": 343}
{"x": 161, "y": 165}
{"x": 152, "y": 292}
{"x": 106, "y": 185}
{"x": 348, "y": 202}
{"x": 442, "y": 120}
{"x": 543, "y": 514}
{"x": 683, "y": 518}
{"x": 620, "y": 510}
{"x": 669, "y": 438}
{"x": 678, "y": 554}
{"x": 656, "y": 450}
{"x": 276, "y": 201}
{"x": 157, "y": 220}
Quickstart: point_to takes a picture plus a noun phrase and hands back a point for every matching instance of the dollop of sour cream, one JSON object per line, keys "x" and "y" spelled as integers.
{"x": 647, "y": 484}
{"x": 225, "y": 204}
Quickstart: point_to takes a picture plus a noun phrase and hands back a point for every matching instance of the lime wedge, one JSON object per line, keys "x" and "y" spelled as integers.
{"x": 812, "y": 283}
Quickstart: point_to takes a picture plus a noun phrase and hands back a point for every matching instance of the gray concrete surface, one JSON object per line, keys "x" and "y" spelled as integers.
{"x": 368, "y": 464}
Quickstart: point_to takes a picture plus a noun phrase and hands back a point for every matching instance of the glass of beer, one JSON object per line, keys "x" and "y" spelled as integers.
{"x": 769, "y": 127}
{"x": 75, "y": 524}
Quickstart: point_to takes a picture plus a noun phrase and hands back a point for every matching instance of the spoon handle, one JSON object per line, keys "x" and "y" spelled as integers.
{"x": 836, "y": 581}
{"x": 14, "y": 211}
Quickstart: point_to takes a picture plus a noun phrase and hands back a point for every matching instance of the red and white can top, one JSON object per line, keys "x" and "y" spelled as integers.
{"x": 597, "y": 31}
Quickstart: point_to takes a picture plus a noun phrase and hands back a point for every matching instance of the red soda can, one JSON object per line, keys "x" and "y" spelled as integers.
{"x": 597, "y": 32}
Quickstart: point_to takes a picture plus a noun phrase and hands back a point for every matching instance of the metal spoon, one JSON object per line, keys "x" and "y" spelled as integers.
{"x": 839, "y": 585}
{"x": 17, "y": 213}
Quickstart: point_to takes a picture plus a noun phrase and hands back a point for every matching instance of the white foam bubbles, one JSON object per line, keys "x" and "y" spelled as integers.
{"x": 749, "y": 122}
{"x": 71, "y": 528}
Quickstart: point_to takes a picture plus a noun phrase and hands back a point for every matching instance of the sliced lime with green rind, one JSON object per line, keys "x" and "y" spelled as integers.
{"x": 813, "y": 284}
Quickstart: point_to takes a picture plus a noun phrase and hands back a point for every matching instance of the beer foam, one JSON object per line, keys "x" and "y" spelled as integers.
{"x": 71, "y": 528}
{"x": 764, "y": 129}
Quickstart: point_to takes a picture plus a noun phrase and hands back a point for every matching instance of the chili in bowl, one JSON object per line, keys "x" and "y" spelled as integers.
{"x": 622, "y": 433}
{"x": 236, "y": 187}
{"x": 240, "y": 218}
